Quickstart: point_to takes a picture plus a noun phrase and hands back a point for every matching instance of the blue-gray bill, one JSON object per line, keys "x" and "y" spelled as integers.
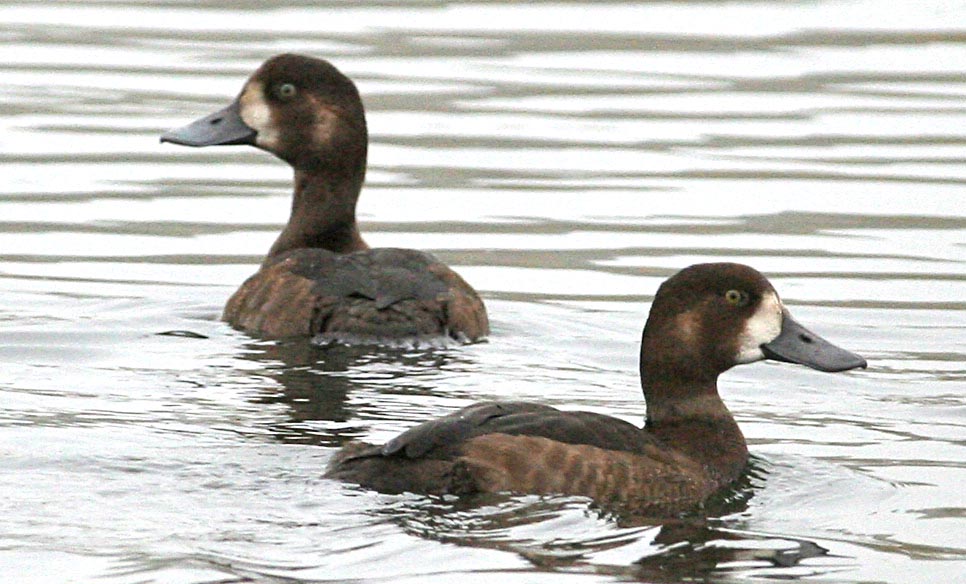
{"x": 222, "y": 128}
{"x": 797, "y": 344}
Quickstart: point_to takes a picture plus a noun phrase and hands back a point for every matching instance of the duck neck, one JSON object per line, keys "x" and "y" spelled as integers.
{"x": 692, "y": 417}
{"x": 323, "y": 215}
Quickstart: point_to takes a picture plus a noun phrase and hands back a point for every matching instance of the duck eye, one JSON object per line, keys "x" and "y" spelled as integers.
{"x": 736, "y": 297}
{"x": 286, "y": 91}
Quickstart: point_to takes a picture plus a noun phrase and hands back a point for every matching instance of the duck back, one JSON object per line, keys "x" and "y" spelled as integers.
{"x": 374, "y": 295}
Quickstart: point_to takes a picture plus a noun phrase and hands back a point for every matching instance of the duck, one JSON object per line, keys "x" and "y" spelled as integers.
{"x": 704, "y": 320}
{"x": 320, "y": 278}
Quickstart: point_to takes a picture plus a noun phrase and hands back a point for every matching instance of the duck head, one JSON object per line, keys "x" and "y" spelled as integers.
{"x": 708, "y": 318}
{"x": 301, "y": 109}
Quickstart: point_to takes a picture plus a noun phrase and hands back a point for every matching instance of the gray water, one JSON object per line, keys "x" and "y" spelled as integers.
{"x": 565, "y": 158}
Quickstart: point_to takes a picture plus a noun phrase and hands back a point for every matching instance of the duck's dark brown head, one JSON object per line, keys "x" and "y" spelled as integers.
{"x": 301, "y": 109}
{"x": 708, "y": 318}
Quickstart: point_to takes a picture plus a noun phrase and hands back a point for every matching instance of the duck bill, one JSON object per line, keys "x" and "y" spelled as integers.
{"x": 222, "y": 128}
{"x": 797, "y": 344}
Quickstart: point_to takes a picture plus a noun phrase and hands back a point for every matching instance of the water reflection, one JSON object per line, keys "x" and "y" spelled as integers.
{"x": 324, "y": 387}
{"x": 543, "y": 531}
{"x": 689, "y": 551}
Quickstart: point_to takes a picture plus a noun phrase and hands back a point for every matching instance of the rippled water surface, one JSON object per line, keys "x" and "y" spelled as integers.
{"x": 565, "y": 157}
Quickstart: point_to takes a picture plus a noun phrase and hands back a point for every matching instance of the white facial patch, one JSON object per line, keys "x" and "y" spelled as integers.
{"x": 763, "y": 326}
{"x": 257, "y": 114}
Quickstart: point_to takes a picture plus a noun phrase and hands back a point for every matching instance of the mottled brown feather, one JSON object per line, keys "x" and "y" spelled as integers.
{"x": 658, "y": 481}
{"x": 299, "y": 295}
{"x": 465, "y": 312}
{"x": 273, "y": 302}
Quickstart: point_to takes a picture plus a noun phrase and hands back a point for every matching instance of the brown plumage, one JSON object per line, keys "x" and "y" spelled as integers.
{"x": 704, "y": 320}
{"x": 374, "y": 295}
{"x": 320, "y": 277}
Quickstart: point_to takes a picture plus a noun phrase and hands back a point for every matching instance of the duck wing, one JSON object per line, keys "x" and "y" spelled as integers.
{"x": 529, "y": 448}
{"x": 442, "y": 437}
{"x": 376, "y": 294}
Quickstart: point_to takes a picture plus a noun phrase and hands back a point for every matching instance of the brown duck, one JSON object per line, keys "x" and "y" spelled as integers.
{"x": 320, "y": 277}
{"x": 704, "y": 320}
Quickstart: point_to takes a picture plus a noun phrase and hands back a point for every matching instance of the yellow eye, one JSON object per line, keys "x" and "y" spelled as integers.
{"x": 737, "y": 297}
{"x": 286, "y": 91}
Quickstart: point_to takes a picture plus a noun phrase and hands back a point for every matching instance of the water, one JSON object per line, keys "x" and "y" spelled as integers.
{"x": 565, "y": 158}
